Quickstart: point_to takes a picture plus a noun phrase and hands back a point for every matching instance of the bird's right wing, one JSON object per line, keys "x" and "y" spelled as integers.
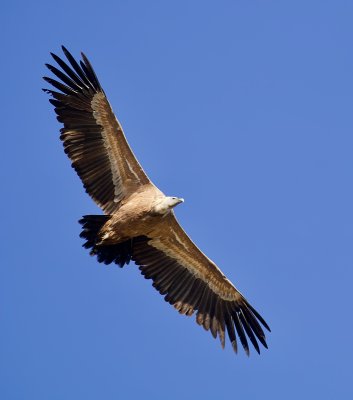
{"x": 192, "y": 282}
{"x": 92, "y": 136}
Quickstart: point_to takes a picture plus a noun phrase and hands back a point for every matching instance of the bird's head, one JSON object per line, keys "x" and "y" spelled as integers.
{"x": 165, "y": 204}
{"x": 171, "y": 202}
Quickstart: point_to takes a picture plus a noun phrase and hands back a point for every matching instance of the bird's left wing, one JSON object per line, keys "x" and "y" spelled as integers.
{"x": 192, "y": 282}
{"x": 92, "y": 136}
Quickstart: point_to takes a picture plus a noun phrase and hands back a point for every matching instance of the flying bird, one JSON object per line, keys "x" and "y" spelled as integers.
{"x": 139, "y": 223}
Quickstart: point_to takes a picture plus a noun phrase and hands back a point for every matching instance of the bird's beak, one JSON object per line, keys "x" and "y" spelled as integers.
{"x": 181, "y": 200}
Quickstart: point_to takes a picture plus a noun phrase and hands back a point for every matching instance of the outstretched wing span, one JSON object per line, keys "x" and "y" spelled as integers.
{"x": 192, "y": 282}
{"x": 101, "y": 156}
{"x": 92, "y": 136}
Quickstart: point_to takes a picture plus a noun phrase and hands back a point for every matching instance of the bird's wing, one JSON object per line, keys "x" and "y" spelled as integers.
{"x": 192, "y": 282}
{"x": 92, "y": 136}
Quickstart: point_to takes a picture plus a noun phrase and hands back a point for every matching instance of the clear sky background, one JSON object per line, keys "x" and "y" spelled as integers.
{"x": 244, "y": 108}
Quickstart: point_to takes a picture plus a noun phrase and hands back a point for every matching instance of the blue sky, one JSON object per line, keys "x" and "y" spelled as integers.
{"x": 244, "y": 108}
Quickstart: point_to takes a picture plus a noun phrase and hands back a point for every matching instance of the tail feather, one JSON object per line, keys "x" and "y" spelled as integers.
{"x": 119, "y": 253}
{"x": 91, "y": 225}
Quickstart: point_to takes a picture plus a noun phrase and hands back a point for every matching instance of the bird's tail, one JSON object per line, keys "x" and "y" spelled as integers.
{"x": 119, "y": 253}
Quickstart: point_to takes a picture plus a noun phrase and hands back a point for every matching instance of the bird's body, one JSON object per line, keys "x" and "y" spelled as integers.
{"x": 139, "y": 222}
{"x": 140, "y": 215}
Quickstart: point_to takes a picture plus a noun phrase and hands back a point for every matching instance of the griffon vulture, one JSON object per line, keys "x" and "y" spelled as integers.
{"x": 139, "y": 222}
